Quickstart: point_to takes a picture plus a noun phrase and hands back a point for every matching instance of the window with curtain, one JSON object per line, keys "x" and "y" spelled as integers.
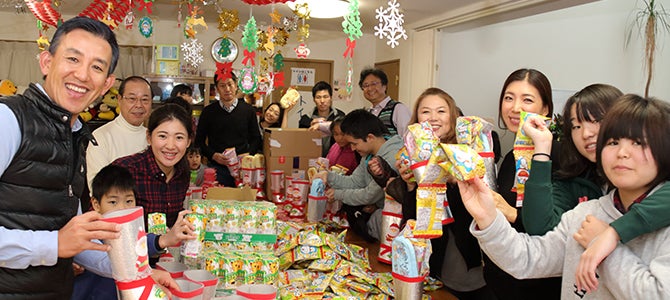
{"x": 19, "y": 62}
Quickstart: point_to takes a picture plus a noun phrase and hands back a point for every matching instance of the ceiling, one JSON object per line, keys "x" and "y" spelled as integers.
{"x": 413, "y": 10}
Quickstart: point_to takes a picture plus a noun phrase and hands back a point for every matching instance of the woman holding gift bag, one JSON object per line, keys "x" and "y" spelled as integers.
{"x": 456, "y": 258}
{"x": 524, "y": 90}
{"x": 161, "y": 172}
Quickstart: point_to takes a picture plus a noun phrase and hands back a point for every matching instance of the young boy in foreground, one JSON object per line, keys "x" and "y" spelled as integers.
{"x": 113, "y": 189}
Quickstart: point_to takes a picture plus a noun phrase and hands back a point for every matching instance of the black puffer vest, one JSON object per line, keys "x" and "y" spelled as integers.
{"x": 40, "y": 189}
{"x": 386, "y": 115}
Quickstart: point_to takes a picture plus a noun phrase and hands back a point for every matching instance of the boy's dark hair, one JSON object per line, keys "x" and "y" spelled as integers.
{"x": 321, "y": 86}
{"x": 360, "y": 122}
{"x": 193, "y": 150}
{"x": 181, "y": 102}
{"x": 639, "y": 119}
{"x": 181, "y": 89}
{"x": 92, "y": 26}
{"x": 109, "y": 178}
{"x": 122, "y": 87}
{"x": 374, "y": 71}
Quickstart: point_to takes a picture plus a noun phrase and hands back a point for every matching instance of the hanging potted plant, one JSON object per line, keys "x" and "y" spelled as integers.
{"x": 651, "y": 20}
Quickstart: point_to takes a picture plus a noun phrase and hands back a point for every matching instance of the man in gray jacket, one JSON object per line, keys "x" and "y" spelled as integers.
{"x": 358, "y": 191}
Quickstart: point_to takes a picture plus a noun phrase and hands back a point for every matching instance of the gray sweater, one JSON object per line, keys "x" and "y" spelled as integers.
{"x": 639, "y": 269}
{"x": 359, "y": 188}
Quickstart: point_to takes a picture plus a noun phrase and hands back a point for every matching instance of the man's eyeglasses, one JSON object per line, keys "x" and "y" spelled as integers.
{"x": 133, "y": 99}
{"x": 370, "y": 84}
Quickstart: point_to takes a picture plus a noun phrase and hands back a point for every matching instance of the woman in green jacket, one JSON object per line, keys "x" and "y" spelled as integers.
{"x": 577, "y": 179}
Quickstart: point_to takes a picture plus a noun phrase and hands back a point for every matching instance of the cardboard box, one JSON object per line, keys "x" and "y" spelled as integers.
{"x": 288, "y": 149}
{"x": 226, "y": 193}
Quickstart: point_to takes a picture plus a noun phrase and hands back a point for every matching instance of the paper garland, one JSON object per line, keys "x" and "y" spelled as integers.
{"x": 250, "y": 35}
{"x": 390, "y": 23}
{"x": 352, "y": 21}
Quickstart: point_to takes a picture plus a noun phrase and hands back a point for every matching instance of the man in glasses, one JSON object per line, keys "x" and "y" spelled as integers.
{"x": 126, "y": 134}
{"x": 393, "y": 114}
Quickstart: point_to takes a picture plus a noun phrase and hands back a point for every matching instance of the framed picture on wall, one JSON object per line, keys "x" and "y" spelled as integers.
{"x": 167, "y": 52}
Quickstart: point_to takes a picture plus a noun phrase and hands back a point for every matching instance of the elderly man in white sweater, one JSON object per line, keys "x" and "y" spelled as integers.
{"x": 126, "y": 134}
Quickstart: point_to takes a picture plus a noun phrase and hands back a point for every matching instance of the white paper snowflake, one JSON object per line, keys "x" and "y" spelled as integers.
{"x": 192, "y": 52}
{"x": 390, "y": 23}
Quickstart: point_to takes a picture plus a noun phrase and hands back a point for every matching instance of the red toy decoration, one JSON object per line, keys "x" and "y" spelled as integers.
{"x": 223, "y": 70}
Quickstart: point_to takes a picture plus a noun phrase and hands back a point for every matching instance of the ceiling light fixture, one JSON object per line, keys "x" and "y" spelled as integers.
{"x": 323, "y": 9}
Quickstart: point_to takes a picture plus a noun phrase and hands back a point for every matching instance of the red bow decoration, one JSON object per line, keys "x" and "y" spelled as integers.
{"x": 223, "y": 70}
{"x": 249, "y": 56}
{"x": 350, "y": 48}
{"x": 278, "y": 79}
{"x": 147, "y": 4}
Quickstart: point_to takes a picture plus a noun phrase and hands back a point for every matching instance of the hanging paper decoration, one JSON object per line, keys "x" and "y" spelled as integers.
{"x": 352, "y": 27}
{"x": 302, "y": 51}
{"x": 248, "y": 81}
{"x": 146, "y": 26}
{"x": 228, "y": 20}
{"x": 249, "y": 57}
{"x": 250, "y": 35}
{"x": 275, "y": 16}
{"x": 107, "y": 18}
{"x": 108, "y": 11}
{"x": 43, "y": 43}
{"x": 350, "y": 77}
{"x": 192, "y": 52}
{"x": 390, "y": 23}
{"x": 269, "y": 43}
{"x": 352, "y": 21}
{"x": 44, "y": 12}
{"x": 128, "y": 20}
{"x": 223, "y": 70}
{"x": 192, "y": 20}
{"x": 145, "y": 4}
{"x": 302, "y": 11}
{"x": 278, "y": 79}
{"x": 224, "y": 49}
{"x": 290, "y": 23}
{"x": 281, "y": 37}
{"x": 179, "y": 16}
{"x": 278, "y": 61}
{"x": 303, "y": 32}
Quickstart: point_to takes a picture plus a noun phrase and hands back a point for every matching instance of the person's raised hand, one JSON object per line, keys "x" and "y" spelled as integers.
{"x": 375, "y": 166}
{"x": 536, "y": 128}
{"x": 181, "y": 230}
{"x": 406, "y": 174}
{"x": 510, "y": 212}
{"x": 330, "y": 194}
{"x": 478, "y": 200}
{"x": 77, "y": 234}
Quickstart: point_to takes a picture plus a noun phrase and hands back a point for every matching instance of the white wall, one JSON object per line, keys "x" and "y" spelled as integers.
{"x": 574, "y": 47}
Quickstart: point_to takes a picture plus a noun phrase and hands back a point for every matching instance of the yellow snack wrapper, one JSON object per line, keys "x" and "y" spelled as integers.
{"x": 429, "y": 210}
{"x": 462, "y": 162}
{"x": 523, "y": 153}
{"x": 156, "y": 223}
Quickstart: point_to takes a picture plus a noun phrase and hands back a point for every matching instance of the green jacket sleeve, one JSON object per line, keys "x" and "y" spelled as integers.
{"x": 544, "y": 203}
{"x": 651, "y": 214}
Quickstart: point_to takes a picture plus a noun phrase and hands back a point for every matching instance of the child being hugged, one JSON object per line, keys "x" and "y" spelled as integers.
{"x": 630, "y": 152}
{"x": 113, "y": 189}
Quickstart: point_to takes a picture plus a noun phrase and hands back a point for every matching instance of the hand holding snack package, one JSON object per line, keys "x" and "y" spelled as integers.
{"x": 420, "y": 141}
{"x": 523, "y": 153}
{"x": 290, "y": 98}
{"x": 476, "y": 133}
{"x": 233, "y": 162}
